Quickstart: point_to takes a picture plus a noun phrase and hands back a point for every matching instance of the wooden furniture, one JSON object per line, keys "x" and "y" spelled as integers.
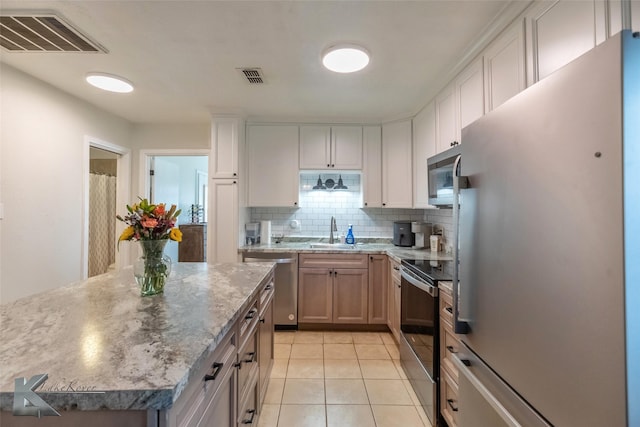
{"x": 193, "y": 247}
{"x": 449, "y": 345}
{"x": 333, "y": 288}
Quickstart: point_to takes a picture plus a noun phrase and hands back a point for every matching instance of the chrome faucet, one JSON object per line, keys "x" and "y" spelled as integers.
{"x": 334, "y": 227}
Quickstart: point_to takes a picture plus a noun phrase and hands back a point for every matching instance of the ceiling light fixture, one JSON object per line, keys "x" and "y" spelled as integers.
{"x": 345, "y": 58}
{"x": 109, "y": 82}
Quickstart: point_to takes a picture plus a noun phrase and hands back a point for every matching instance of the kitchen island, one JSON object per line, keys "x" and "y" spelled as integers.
{"x": 105, "y": 348}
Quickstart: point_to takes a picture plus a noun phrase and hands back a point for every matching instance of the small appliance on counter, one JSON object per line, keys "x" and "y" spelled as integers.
{"x": 402, "y": 235}
{"x": 420, "y": 230}
{"x": 252, "y": 233}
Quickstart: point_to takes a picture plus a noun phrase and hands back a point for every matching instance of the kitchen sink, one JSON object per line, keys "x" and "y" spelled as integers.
{"x": 334, "y": 246}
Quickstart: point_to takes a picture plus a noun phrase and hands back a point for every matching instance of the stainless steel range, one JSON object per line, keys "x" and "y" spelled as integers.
{"x": 419, "y": 325}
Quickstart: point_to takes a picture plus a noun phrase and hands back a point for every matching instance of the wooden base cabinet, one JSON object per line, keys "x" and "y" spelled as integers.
{"x": 394, "y": 298}
{"x": 378, "y": 267}
{"x": 333, "y": 288}
{"x": 449, "y": 345}
{"x": 265, "y": 340}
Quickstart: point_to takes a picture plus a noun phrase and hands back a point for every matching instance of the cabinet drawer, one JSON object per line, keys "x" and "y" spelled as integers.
{"x": 247, "y": 359}
{"x": 449, "y": 345}
{"x": 266, "y": 295}
{"x": 446, "y": 306}
{"x": 449, "y": 400}
{"x": 334, "y": 261}
{"x": 247, "y": 323}
{"x": 205, "y": 384}
{"x": 248, "y": 407}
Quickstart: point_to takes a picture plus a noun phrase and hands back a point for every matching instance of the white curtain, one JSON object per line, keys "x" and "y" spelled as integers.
{"x": 102, "y": 223}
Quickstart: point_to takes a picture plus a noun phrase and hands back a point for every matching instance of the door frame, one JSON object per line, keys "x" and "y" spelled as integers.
{"x": 123, "y": 186}
{"x": 144, "y": 183}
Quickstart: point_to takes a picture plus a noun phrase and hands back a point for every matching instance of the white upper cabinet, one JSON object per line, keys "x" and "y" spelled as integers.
{"x": 424, "y": 146}
{"x": 561, "y": 32}
{"x": 504, "y": 65}
{"x": 225, "y": 147}
{"x": 470, "y": 95}
{"x": 459, "y": 104}
{"x": 446, "y": 125}
{"x": 397, "y": 176}
{"x": 372, "y": 167}
{"x": 272, "y": 163}
{"x": 635, "y": 15}
{"x": 331, "y": 147}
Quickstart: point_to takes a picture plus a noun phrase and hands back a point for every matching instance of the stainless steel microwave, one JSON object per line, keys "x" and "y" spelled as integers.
{"x": 440, "y": 169}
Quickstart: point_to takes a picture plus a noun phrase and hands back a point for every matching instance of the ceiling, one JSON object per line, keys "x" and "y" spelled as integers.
{"x": 182, "y": 56}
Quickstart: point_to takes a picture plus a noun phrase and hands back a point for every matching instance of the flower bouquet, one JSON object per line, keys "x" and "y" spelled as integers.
{"x": 152, "y": 226}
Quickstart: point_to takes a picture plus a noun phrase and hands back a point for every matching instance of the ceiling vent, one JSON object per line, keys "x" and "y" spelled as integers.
{"x": 253, "y": 75}
{"x": 42, "y": 33}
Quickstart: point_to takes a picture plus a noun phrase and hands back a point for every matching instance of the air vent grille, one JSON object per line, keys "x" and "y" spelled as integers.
{"x": 42, "y": 33}
{"x": 253, "y": 75}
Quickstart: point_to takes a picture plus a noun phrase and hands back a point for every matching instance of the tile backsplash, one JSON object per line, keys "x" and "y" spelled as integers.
{"x": 318, "y": 206}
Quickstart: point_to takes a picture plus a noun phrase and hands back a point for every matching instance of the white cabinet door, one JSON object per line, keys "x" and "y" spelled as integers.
{"x": 372, "y": 167}
{"x": 315, "y": 147}
{"x": 470, "y": 95}
{"x": 504, "y": 65}
{"x": 446, "y": 126}
{"x": 560, "y": 33}
{"x": 331, "y": 147}
{"x": 346, "y": 147}
{"x": 272, "y": 162}
{"x": 225, "y": 144}
{"x": 397, "y": 173}
{"x": 424, "y": 146}
{"x": 223, "y": 221}
{"x": 635, "y": 15}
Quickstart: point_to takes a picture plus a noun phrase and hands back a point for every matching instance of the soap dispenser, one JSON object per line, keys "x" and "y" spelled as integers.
{"x": 350, "y": 240}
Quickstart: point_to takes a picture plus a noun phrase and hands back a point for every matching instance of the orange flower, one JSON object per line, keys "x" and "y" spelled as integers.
{"x": 159, "y": 210}
{"x": 149, "y": 222}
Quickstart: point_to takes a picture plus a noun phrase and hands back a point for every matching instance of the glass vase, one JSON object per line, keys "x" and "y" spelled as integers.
{"x": 152, "y": 268}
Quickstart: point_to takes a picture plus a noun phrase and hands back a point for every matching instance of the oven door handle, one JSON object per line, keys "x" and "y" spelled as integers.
{"x": 420, "y": 284}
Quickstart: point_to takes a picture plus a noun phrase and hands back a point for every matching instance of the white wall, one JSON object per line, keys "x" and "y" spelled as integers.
{"x": 41, "y": 182}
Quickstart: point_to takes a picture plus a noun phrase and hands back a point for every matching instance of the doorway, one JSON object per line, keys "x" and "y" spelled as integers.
{"x": 180, "y": 178}
{"x": 103, "y": 172}
{"x": 106, "y": 190}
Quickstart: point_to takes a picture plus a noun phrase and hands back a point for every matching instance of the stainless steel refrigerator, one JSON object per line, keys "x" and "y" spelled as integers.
{"x": 548, "y": 250}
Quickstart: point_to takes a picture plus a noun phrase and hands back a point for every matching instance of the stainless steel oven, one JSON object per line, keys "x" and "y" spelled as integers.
{"x": 419, "y": 326}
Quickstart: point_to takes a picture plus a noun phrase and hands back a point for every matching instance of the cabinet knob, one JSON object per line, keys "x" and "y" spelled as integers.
{"x": 328, "y": 165}
{"x": 235, "y": 174}
{"x": 365, "y": 203}
{"x": 384, "y": 204}
{"x": 234, "y": 182}
{"x": 333, "y": 166}
{"x": 295, "y": 203}
{"x": 450, "y": 403}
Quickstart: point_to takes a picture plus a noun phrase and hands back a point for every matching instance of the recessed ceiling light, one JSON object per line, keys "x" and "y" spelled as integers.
{"x": 109, "y": 82}
{"x": 345, "y": 58}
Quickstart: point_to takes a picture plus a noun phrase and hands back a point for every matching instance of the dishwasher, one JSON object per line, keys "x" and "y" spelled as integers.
{"x": 285, "y": 299}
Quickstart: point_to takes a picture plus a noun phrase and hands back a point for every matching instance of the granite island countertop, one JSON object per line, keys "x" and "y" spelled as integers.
{"x": 397, "y": 252}
{"x": 100, "y": 336}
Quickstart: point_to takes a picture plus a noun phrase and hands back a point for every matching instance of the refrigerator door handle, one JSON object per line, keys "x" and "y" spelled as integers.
{"x": 459, "y": 326}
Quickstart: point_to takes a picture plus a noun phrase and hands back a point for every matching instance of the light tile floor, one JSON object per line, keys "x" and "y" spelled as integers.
{"x": 339, "y": 379}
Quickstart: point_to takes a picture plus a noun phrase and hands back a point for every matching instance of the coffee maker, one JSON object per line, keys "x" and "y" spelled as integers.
{"x": 252, "y": 233}
{"x": 420, "y": 230}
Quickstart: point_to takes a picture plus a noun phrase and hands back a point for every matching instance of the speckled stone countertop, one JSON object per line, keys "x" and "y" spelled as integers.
{"x": 396, "y": 252}
{"x": 101, "y": 336}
